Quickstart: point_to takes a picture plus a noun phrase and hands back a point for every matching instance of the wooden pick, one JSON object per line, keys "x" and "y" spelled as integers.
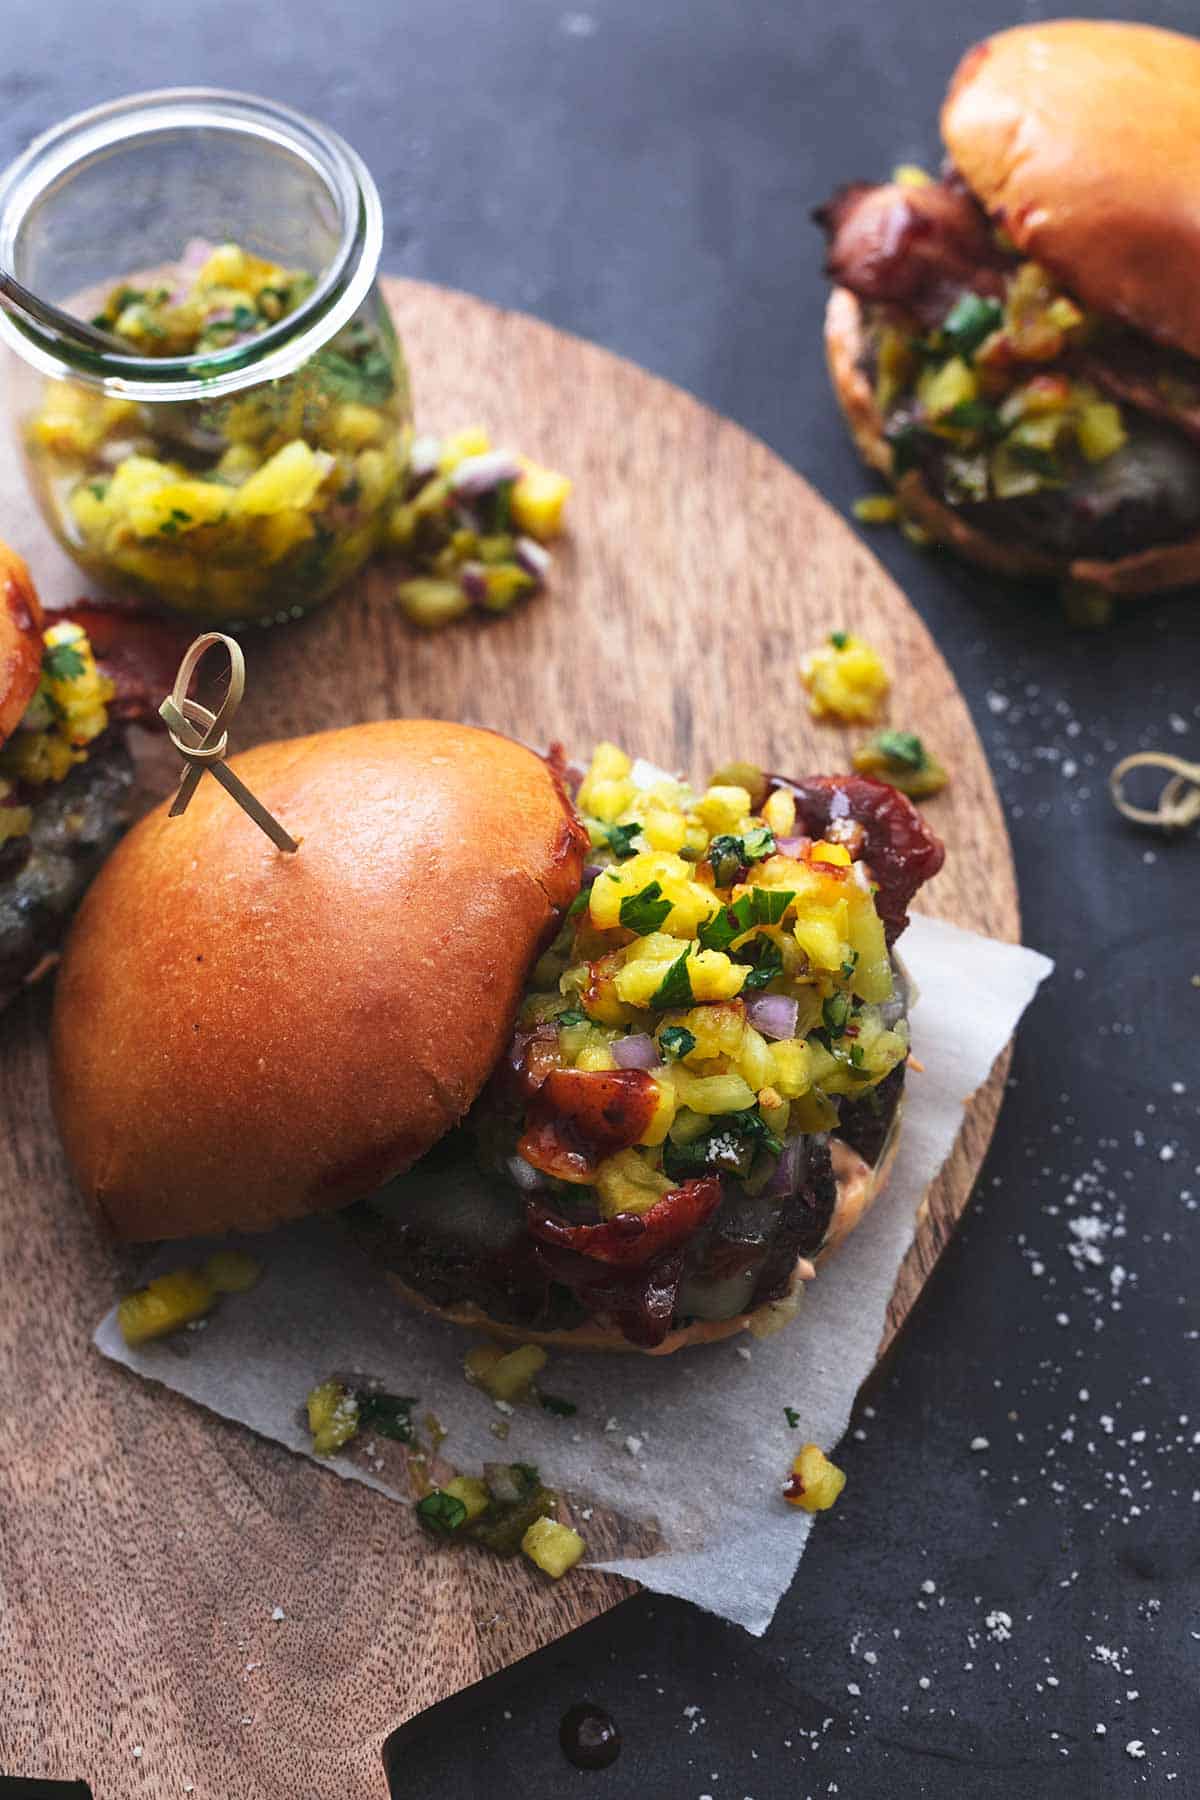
{"x": 202, "y": 737}
{"x": 1179, "y": 802}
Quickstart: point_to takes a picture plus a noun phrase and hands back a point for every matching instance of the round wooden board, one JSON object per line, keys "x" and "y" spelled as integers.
{"x": 144, "y": 1543}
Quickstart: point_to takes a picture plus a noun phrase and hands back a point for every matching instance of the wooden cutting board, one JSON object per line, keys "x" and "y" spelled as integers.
{"x": 143, "y": 1543}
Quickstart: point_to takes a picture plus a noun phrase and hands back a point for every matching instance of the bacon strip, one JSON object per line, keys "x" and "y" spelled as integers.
{"x": 897, "y": 845}
{"x": 917, "y": 248}
{"x": 578, "y": 1117}
{"x": 140, "y": 655}
{"x": 632, "y": 1238}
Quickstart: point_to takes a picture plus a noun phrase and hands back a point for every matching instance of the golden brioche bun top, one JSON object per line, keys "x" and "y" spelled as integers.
{"x": 1082, "y": 138}
{"x": 20, "y": 640}
{"x": 242, "y": 1036}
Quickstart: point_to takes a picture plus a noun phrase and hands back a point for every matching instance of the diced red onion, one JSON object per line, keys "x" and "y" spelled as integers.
{"x": 773, "y": 1014}
{"x": 524, "y": 1174}
{"x": 591, "y": 872}
{"x": 789, "y": 1170}
{"x": 636, "y": 1052}
{"x": 477, "y": 475}
{"x": 533, "y": 557}
{"x": 792, "y": 846}
{"x": 472, "y": 579}
{"x": 424, "y": 455}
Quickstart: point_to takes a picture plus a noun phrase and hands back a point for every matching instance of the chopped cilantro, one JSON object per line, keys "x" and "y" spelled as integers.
{"x": 561, "y": 1409}
{"x": 441, "y": 1513}
{"x": 766, "y": 964}
{"x": 386, "y": 1414}
{"x": 770, "y": 904}
{"x": 759, "y": 843}
{"x": 502, "y": 506}
{"x": 579, "y": 903}
{"x": 839, "y": 639}
{"x": 849, "y": 966}
{"x": 792, "y": 1417}
{"x": 63, "y": 662}
{"x": 730, "y": 1146}
{"x": 971, "y": 319}
{"x": 902, "y": 747}
{"x": 529, "y": 1474}
{"x": 836, "y": 1013}
{"x": 620, "y": 838}
{"x": 574, "y": 1015}
{"x": 975, "y": 415}
{"x": 727, "y": 857}
{"x": 676, "y": 1042}
{"x": 97, "y": 489}
{"x": 906, "y": 442}
{"x": 731, "y": 922}
{"x": 644, "y": 912}
{"x": 675, "y": 989}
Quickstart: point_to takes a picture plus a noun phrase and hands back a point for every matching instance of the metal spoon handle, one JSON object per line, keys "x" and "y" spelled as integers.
{"x": 16, "y": 297}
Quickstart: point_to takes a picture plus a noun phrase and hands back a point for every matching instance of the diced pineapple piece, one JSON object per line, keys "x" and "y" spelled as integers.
{"x": 472, "y": 440}
{"x": 290, "y": 478}
{"x": 846, "y": 679}
{"x": 664, "y": 830}
{"x": 511, "y": 1376}
{"x": 940, "y": 390}
{"x": 822, "y": 932}
{"x": 790, "y": 1067}
{"x": 780, "y": 813}
{"x": 553, "y": 1547}
{"x": 430, "y": 603}
{"x": 836, "y": 855}
{"x": 910, "y": 175}
{"x": 627, "y": 1183}
{"x": 754, "y": 1059}
{"x": 177, "y": 508}
{"x": 723, "y": 809}
{"x": 73, "y": 420}
{"x": 163, "y": 1305}
{"x": 815, "y": 1482}
{"x": 595, "y": 1055}
{"x": 717, "y": 1030}
{"x": 15, "y": 820}
{"x": 872, "y": 977}
{"x": 663, "y": 1116}
{"x": 538, "y": 498}
{"x": 282, "y": 532}
{"x": 713, "y": 1093}
{"x": 715, "y": 976}
{"x": 232, "y": 1271}
{"x": 332, "y": 1417}
{"x": 472, "y": 1492}
{"x": 479, "y": 1359}
{"x": 236, "y": 463}
{"x": 1099, "y": 430}
{"x": 355, "y": 426}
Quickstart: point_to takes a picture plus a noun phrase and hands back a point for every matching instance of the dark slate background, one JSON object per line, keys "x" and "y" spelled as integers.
{"x": 641, "y": 172}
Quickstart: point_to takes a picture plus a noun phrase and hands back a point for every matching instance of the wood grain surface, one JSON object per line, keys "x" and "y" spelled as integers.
{"x": 145, "y": 1544}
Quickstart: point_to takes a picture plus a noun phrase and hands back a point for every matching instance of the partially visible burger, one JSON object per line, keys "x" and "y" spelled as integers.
{"x": 608, "y": 1070}
{"x": 68, "y": 685}
{"x": 1016, "y": 345}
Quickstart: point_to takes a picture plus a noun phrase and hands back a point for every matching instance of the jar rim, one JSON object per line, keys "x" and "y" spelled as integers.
{"x": 54, "y": 156}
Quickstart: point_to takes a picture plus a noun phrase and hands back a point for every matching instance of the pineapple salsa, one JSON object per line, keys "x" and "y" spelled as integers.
{"x": 735, "y": 962}
{"x": 69, "y": 711}
{"x": 712, "y": 1047}
{"x": 258, "y": 505}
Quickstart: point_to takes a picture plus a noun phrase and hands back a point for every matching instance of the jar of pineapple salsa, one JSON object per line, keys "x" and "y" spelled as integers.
{"x": 234, "y": 456}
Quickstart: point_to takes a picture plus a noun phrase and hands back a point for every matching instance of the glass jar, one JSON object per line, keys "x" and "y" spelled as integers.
{"x": 245, "y": 475}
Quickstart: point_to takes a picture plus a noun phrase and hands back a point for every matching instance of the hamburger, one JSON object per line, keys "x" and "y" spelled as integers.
{"x": 587, "y": 1056}
{"x": 69, "y": 684}
{"x": 1015, "y": 344}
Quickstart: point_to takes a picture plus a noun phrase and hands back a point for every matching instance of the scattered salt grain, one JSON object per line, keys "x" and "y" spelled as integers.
{"x": 1135, "y": 1748}
{"x": 278, "y": 1614}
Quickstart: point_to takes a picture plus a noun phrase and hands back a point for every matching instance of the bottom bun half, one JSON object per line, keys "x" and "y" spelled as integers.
{"x": 1151, "y": 571}
{"x": 858, "y": 1184}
